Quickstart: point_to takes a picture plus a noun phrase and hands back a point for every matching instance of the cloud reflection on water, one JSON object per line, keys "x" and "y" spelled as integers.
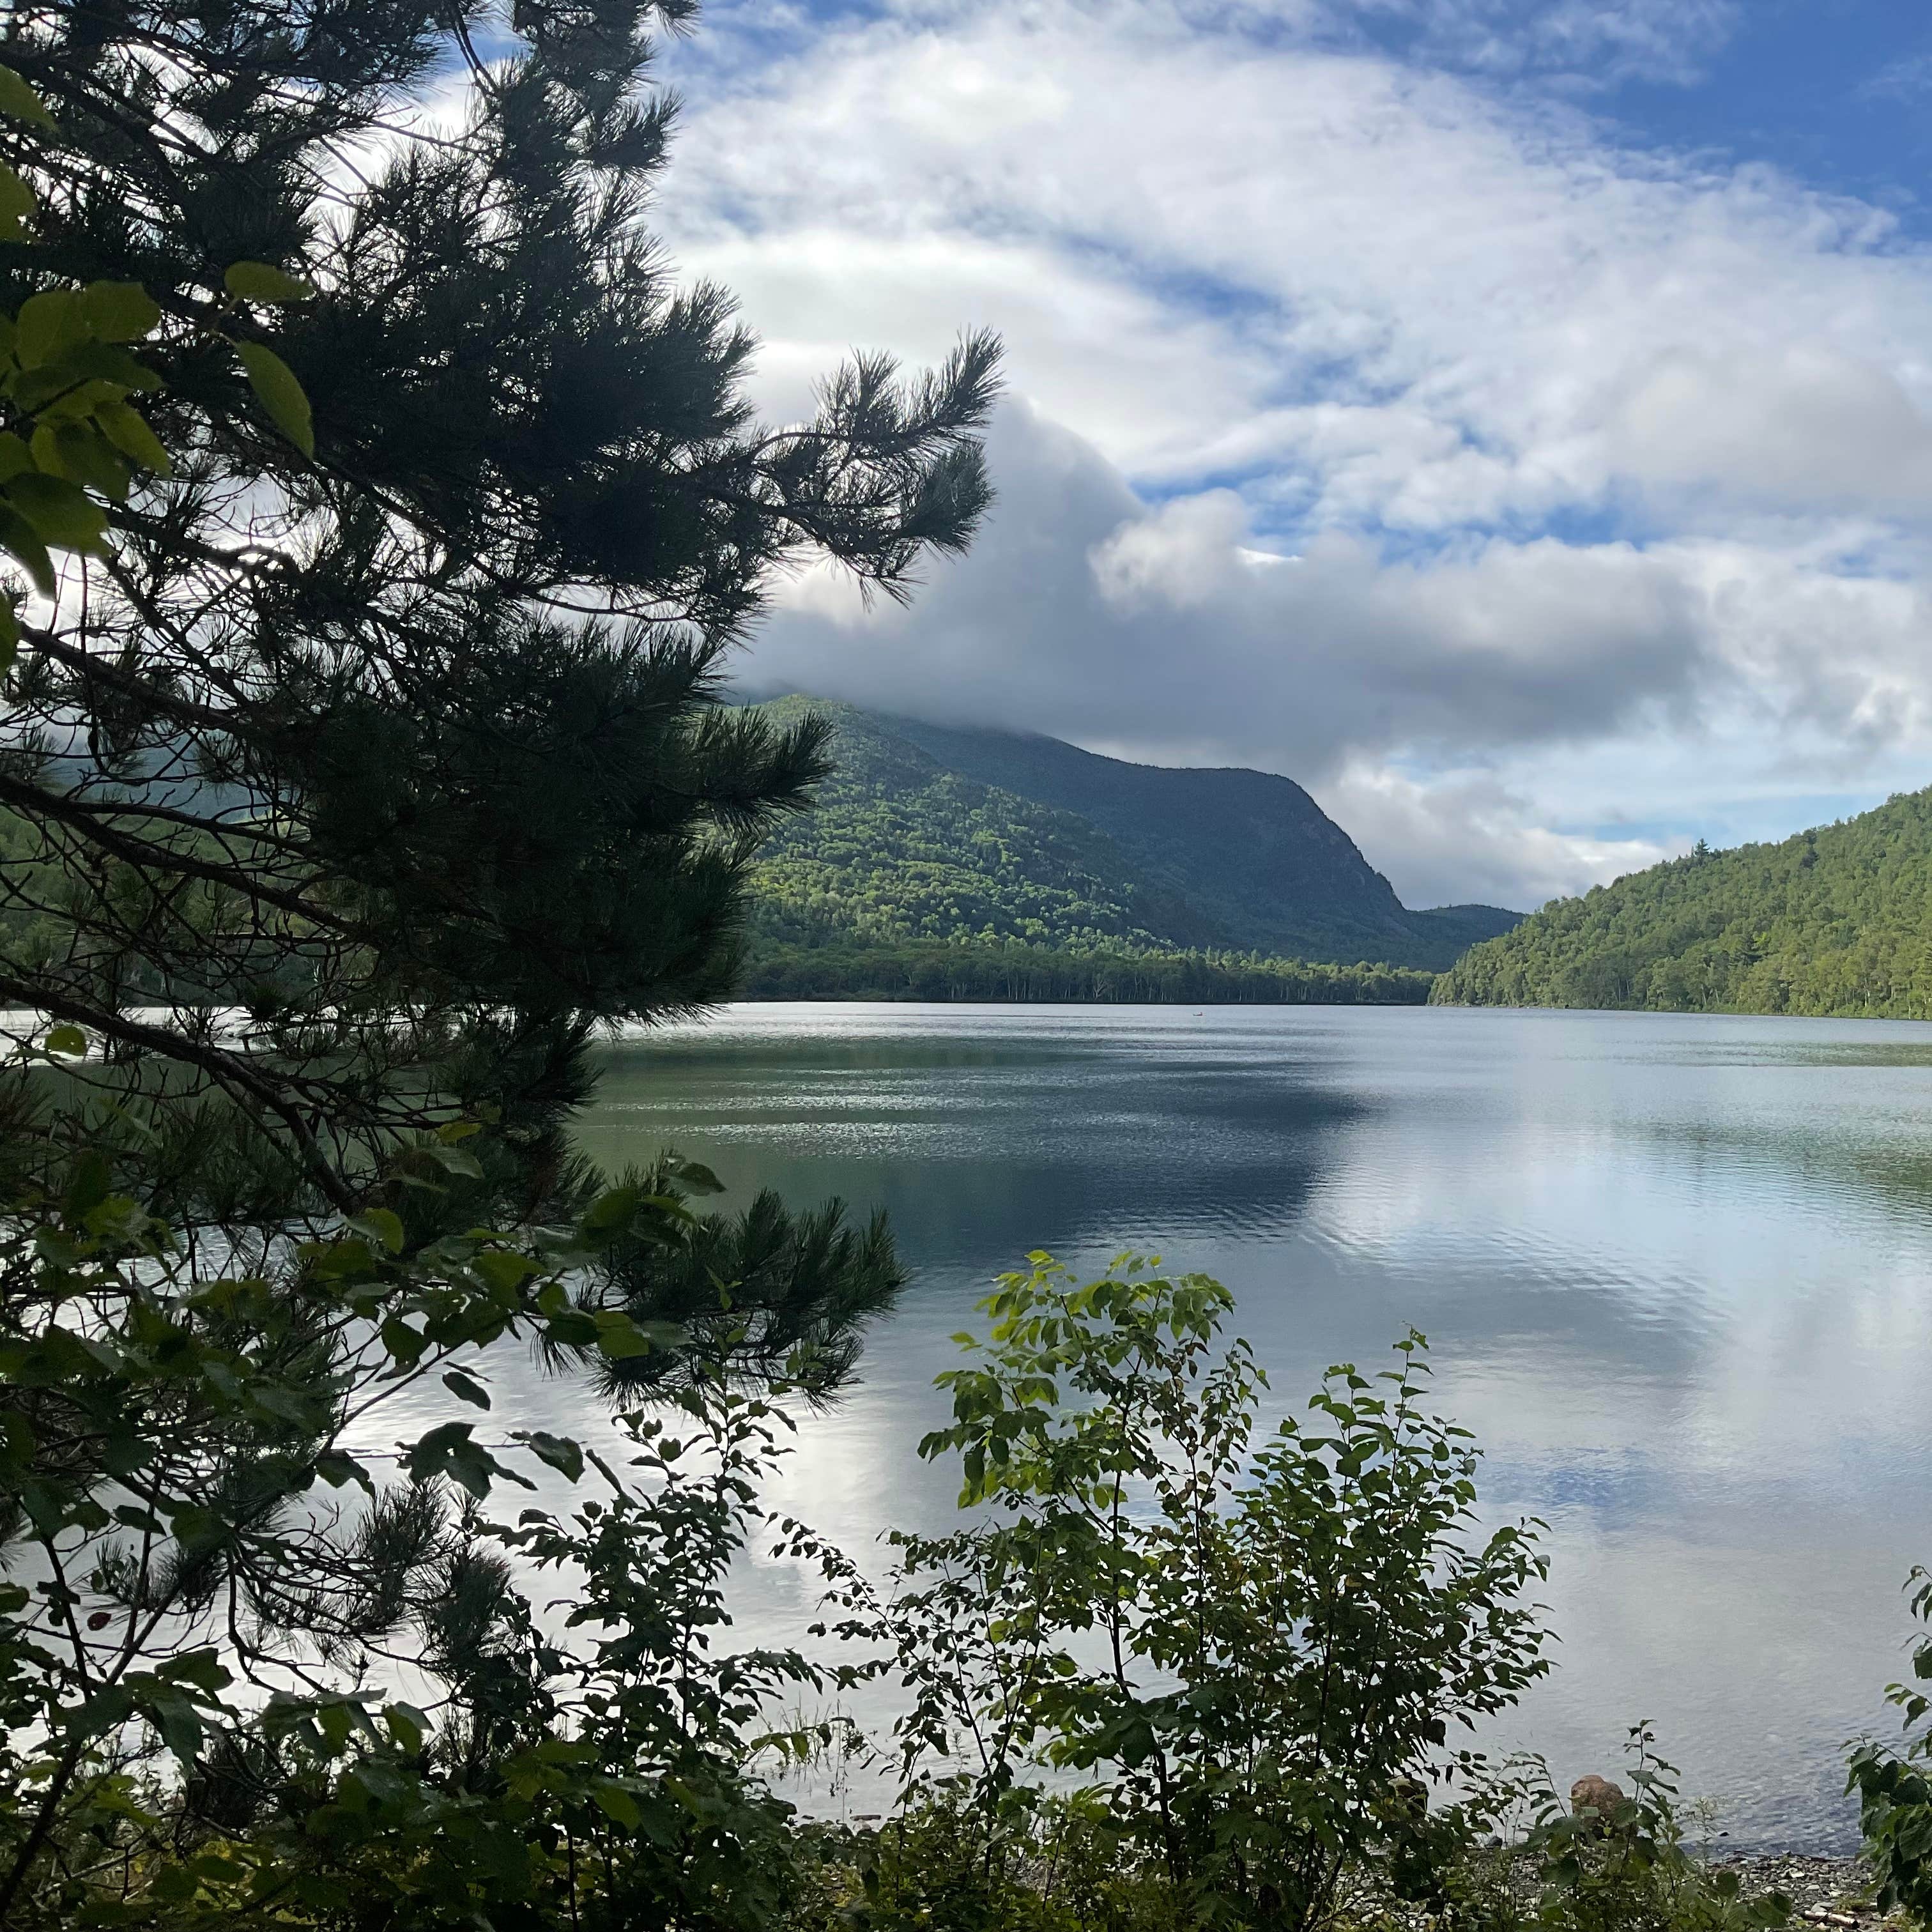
{"x": 1675, "y": 1270}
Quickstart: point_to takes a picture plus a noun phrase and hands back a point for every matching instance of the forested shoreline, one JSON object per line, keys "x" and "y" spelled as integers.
{"x": 1031, "y": 972}
{"x": 1834, "y": 922}
{"x": 900, "y": 851}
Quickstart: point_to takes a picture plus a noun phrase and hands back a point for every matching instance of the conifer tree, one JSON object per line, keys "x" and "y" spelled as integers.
{"x": 384, "y": 513}
{"x": 386, "y": 727}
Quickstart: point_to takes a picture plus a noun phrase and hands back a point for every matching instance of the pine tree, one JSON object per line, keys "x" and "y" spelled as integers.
{"x": 388, "y": 727}
{"x": 385, "y": 515}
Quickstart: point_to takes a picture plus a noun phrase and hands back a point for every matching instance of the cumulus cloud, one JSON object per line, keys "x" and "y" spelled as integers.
{"x": 1162, "y": 633}
{"x": 1084, "y": 609}
{"x": 1379, "y": 418}
{"x": 1467, "y": 838}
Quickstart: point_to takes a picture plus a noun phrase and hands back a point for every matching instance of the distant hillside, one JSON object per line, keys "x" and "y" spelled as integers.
{"x": 1835, "y": 921}
{"x": 930, "y": 835}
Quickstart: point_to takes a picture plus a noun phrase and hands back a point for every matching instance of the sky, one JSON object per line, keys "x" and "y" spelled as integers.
{"x": 1511, "y": 418}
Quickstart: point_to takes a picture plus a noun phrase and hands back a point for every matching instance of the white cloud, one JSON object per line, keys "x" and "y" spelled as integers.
{"x": 1084, "y": 611}
{"x": 1588, "y": 457}
{"x": 1802, "y": 424}
{"x": 1467, "y": 838}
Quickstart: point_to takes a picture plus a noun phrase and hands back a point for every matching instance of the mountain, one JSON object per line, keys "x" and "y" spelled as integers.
{"x": 1837, "y": 920}
{"x": 931, "y": 833}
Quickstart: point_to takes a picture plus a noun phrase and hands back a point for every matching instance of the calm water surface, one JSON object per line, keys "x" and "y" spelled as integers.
{"x": 1677, "y": 1271}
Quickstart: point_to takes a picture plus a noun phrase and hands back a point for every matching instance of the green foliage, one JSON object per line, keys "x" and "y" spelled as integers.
{"x": 1625, "y": 1870}
{"x": 1894, "y": 1785}
{"x": 897, "y": 848}
{"x": 221, "y": 1568}
{"x": 308, "y": 725}
{"x": 1056, "y": 1863}
{"x": 895, "y": 971}
{"x": 1258, "y": 1648}
{"x": 1251, "y": 850}
{"x": 1830, "y": 922}
{"x": 924, "y": 836}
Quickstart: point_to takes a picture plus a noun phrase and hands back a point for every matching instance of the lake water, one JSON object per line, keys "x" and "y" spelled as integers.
{"x": 1676, "y": 1271}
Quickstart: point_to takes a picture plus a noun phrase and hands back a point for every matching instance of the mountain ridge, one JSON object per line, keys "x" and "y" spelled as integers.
{"x": 933, "y": 833}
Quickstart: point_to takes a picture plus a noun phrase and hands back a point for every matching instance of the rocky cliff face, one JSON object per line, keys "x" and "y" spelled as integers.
{"x": 939, "y": 832}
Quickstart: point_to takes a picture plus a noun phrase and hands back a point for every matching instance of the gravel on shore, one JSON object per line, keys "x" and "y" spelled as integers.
{"x": 1825, "y": 1892}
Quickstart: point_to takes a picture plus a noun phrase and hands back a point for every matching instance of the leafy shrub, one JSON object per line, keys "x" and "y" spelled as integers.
{"x": 1049, "y": 1862}
{"x": 1257, "y": 1651}
{"x": 213, "y": 1600}
{"x": 1624, "y": 1870}
{"x": 1894, "y": 1785}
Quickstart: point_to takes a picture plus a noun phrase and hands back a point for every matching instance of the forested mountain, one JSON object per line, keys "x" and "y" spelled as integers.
{"x": 930, "y": 834}
{"x": 1837, "y": 920}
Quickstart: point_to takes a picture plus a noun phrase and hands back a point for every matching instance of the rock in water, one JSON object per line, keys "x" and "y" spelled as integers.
{"x": 1595, "y": 1794}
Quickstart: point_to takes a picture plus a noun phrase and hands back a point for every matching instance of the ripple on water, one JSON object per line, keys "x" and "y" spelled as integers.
{"x": 1676, "y": 1271}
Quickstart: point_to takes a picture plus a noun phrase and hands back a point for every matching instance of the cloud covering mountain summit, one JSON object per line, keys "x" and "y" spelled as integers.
{"x": 1598, "y": 465}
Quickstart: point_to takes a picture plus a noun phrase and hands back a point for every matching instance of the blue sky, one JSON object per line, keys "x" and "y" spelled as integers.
{"x": 1839, "y": 92}
{"x": 1511, "y": 417}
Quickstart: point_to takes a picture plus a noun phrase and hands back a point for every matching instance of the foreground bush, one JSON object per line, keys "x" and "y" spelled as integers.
{"x": 1624, "y": 1868}
{"x": 1166, "y": 1674}
{"x": 1258, "y": 1650}
{"x": 1895, "y": 1784}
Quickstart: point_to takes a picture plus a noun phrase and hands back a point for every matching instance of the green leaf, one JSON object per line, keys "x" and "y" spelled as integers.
{"x": 17, "y": 203}
{"x": 105, "y": 1710}
{"x": 571, "y": 1328}
{"x": 19, "y": 539}
{"x": 380, "y": 1224}
{"x": 256, "y": 281}
{"x": 48, "y": 324}
{"x": 451, "y": 1159}
{"x": 618, "y": 1338}
{"x": 174, "y": 1715}
{"x": 613, "y": 1211}
{"x": 466, "y": 1387}
{"x": 276, "y": 389}
{"x": 125, "y": 427}
{"x": 82, "y": 455}
{"x": 449, "y": 1451}
{"x": 201, "y": 1668}
{"x": 558, "y": 1451}
{"x": 407, "y": 1725}
{"x": 617, "y": 1803}
{"x": 405, "y": 1344}
{"x": 503, "y": 1270}
{"x": 20, "y": 102}
{"x": 67, "y": 1040}
{"x": 335, "y": 1469}
{"x": 119, "y": 311}
{"x": 61, "y": 512}
{"x": 697, "y": 1177}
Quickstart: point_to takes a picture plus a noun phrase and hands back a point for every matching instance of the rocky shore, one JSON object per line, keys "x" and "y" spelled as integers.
{"x": 1825, "y": 1892}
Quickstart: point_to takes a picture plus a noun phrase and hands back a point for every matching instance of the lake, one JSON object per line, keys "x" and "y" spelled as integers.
{"x": 1676, "y": 1271}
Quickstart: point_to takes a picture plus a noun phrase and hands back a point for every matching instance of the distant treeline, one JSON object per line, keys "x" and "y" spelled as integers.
{"x": 1836, "y": 921}
{"x": 1024, "y": 973}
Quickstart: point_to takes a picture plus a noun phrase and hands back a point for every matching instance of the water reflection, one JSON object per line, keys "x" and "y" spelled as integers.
{"x": 1675, "y": 1271}
{"x": 971, "y": 1139}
